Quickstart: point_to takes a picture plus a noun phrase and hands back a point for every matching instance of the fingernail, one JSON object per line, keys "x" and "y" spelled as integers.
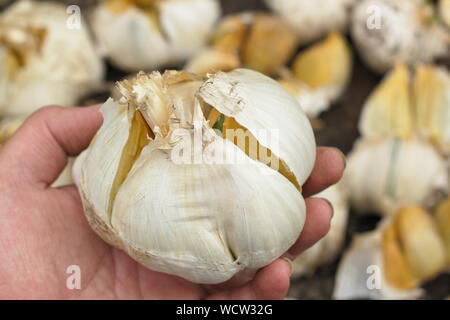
{"x": 330, "y": 204}
{"x": 291, "y": 265}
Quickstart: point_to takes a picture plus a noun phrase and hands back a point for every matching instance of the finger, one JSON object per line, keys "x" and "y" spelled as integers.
{"x": 38, "y": 151}
{"x": 318, "y": 217}
{"x": 270, "y": 283}
{"x": 328, "y": 170}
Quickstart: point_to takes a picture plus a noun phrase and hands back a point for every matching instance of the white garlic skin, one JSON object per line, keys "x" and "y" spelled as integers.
{"x": 132, "y": 43}
{"x": 327, "y": 248}
{"x": 401, "y": 35}
{"x": 313, "y": 19}
{"x": 385, "y": 174}
{"x": 202, "y": 222}
{"x": 65, "y": 69}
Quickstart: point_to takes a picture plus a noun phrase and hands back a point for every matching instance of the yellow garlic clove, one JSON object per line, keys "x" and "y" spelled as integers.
{"x": 326, "y": 65}
{"x": 431, "y": 98}
{"x": 213, "y": 59}
{"x": 442, "y": 217}
{"x": 388, "y": 110}
{"x": 420, "y": 241}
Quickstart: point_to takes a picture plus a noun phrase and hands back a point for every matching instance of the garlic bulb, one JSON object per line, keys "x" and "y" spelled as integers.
{"x": 313, "y": 19}
{"x": 388, "y": 110}
{"x": 260, "y": 41}
{"x": 431, "y": 96}
{"x": 208, "y": 209}
{"x": 384, "y": 174}
{"x": 45, "y": 62}
{"x": 145, "y": 35}
{"x": 388, "y": 31}
{"x": 442, "y": 217}
{"x": 327, "y": 248}
{"x": 394, "y": 260}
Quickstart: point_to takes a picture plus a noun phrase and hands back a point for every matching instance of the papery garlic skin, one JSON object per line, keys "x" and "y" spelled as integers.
{"x": 405, "y": 250}
{"x": 384, "y": 174}
{"x": 201, "y": 220}
{"x": 135, "y": 41}
{"x": 388, "y": 31}
{"x": 60, "y": 69}
{"x": 327, "y": 248}
{"x": 313, "y": 19}
{"x": 431, "y": 96}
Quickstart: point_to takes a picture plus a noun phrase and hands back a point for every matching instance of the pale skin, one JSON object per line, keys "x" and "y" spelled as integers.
{"x": 43, "y": 229}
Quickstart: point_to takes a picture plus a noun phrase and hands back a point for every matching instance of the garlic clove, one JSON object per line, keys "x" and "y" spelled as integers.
{"x": 388, "y": 110}
{"x": 442, "y": 218}
{"x": 137, "y": 37}
{"x": 327, "y": 248}
{"x": 313, "y": 19}
{"x": 431, "y": 96}
{"x": 385, "y": 174}
{"x": 397, "y": 30}
{"x": 231, "y": 94}
{"x": 213, "y": 59}
{"x": 325, "y": 66}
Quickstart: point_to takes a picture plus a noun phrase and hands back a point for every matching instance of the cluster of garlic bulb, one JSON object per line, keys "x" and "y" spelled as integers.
{"x": 327, "y": 248}
{"x": 392, "y": 262}
{"x": 320, "y": 74}
{"x": 313, "y": 19}
{"x": 43, "y": 60}
{"x": 387, "y": 31}
{"x": 180, "y": 207}
{"x": 253, "y": 40}
{"x": 148, "y": 34}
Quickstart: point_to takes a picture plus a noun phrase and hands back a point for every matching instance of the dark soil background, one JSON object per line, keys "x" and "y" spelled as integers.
{"x": 336, "y": 127}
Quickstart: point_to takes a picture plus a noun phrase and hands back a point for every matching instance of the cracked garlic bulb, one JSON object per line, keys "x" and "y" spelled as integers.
{"x": 384, "y": 174}
{"x": 149, "y": 34}
{"x": 327, "y": 248}
{"x": 200, "y": 199}
{"x": 313, "y": 19}
{"x": 43, "y": 60}
{"x": 253, "y": 40}
{"x": 388, "y": 31}
{"x": 394, "y": 260}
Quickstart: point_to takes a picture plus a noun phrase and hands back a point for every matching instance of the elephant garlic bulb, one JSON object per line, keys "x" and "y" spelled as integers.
{"x": 388, "y": 31}
{"x": 384, "y": 174}
{"x": 149, "y": 34}
{"x": 254, "y": 40}
{"x": 200, "y": 199}
{"x": 394, "y": 260}
{"x": 43, "y": 60}
{"x": 327, "y": 248}
{"x": 313, "y": 19}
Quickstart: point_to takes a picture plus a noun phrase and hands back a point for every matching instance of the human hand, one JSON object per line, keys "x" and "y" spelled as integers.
{"x": 43, "y": 229}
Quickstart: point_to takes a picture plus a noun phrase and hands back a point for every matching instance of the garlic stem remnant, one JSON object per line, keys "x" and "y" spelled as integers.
{"x": 385, "y": 174}
{"x": 255, "y": 40}
{"x": 313, "y": 19}
{"x": 401, "y": 30}
{"x": 159, "y": 198}
{"x": 145, "y": 35}
{"x": 44, "y": 61}
{"x": 405, "y": 250}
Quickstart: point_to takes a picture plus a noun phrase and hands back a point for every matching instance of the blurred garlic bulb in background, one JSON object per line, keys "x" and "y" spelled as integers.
{"x": 184, "y": 208}
{"x": 149, "y": 34}
{"x": 313, "y": 19}
{"x": 442, "y": 217}
{"x": 405, "y": 250}
{"x": 384, "y": 174}
{"x": 431, "y": 96}
{"x": 388, "y": 31}
{"x": 8, "y": 125}
{"x": 43, "y": 60}
{"x": 388, "y": 110}
{"x": 255, "y": 40}
{"x": 444, "y": 11}
{"x": 326, "y": 249}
